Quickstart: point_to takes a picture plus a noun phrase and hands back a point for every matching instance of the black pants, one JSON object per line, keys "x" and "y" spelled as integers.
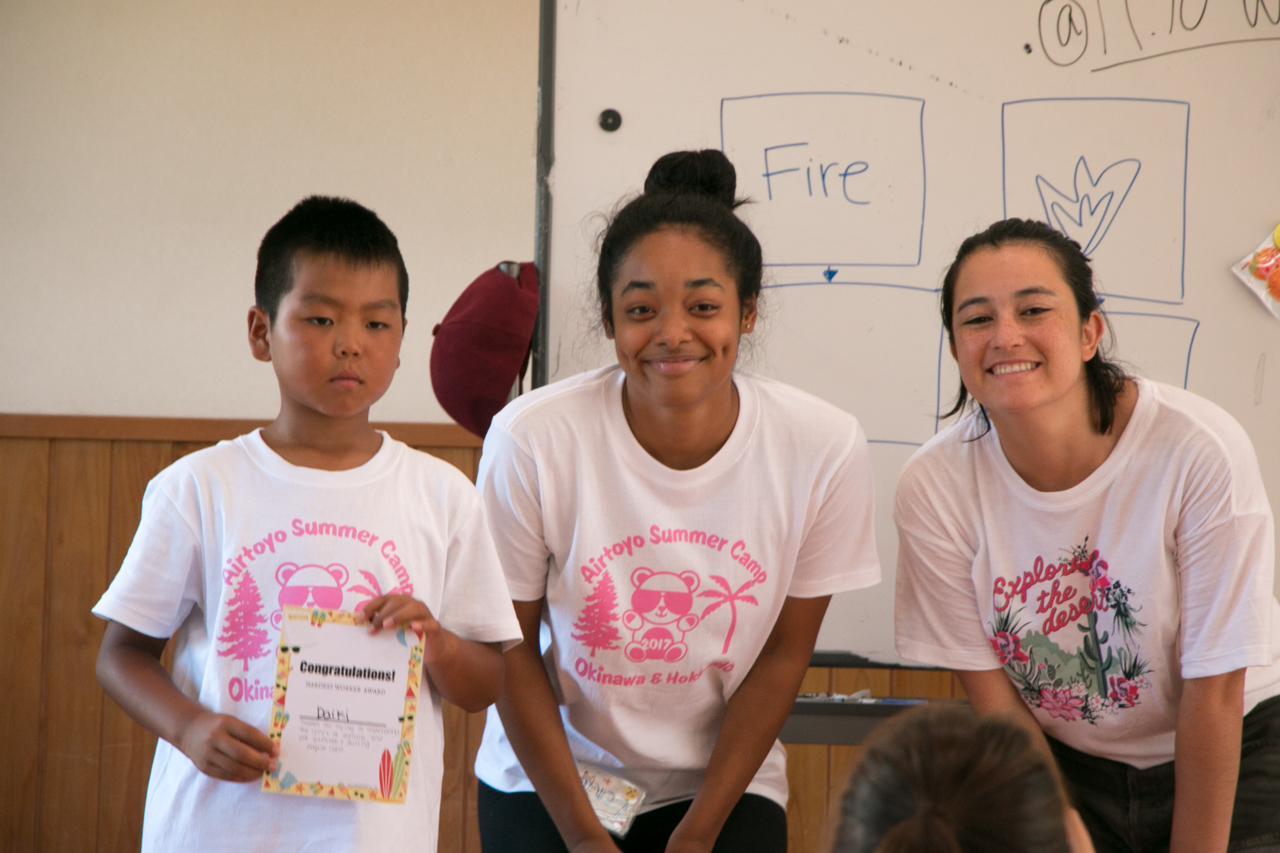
{"x": 519, "y": 823}
{"x": 1128, "y": 810}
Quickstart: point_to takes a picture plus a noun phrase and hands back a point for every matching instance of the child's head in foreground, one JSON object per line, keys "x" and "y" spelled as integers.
{"x": 944, "y": 779}
{"x": 331, "y": 291}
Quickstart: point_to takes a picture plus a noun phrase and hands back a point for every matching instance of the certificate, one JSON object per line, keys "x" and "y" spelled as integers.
{"x": 343, "y": 707}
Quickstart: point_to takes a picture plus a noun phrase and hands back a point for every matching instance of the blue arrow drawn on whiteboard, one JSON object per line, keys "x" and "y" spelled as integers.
{"x": 1091, "y": 219}
{"x": 828, "y": 273}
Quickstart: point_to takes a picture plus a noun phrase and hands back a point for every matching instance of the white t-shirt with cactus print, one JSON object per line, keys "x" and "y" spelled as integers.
{"x": 231, "y": 534}
{"x": 662, "y": 585}
{"x": 1097, "y": 600}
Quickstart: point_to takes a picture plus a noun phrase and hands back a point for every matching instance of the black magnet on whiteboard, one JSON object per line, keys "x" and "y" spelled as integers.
{"x": 610, "y": 120}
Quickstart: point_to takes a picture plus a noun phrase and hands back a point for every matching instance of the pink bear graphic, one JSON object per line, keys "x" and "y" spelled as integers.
{"x": 660, "y": 608}
{"x": 302, "y": 586}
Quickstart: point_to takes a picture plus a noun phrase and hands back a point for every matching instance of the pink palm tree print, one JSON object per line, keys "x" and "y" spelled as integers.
{"x": 727, "y": 595}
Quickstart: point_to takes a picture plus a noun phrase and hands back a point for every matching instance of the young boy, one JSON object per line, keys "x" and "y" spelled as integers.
{"x": 317, "y": 508}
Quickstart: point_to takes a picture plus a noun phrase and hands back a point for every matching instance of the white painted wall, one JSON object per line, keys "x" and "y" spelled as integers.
{"x": 145, "y": 147}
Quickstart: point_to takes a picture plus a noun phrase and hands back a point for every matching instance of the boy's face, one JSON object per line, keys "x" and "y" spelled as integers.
{"x": 335, "y": 342}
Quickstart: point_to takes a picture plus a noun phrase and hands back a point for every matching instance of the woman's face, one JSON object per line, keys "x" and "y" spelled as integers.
{"x": 676, "y": 320}
{"x": 1017, "y": 335}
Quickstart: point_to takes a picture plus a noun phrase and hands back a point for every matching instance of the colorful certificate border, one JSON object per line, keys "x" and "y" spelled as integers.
{"x": 394, "y": 772}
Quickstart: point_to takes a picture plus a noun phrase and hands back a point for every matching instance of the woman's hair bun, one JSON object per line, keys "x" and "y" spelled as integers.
{"x": 706, "y": 172}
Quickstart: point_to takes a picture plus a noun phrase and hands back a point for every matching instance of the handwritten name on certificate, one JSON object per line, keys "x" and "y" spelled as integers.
{"x": 343, "y": 708}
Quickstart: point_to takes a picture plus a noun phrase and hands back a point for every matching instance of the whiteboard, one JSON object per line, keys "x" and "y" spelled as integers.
{"x": 873, "y": 136}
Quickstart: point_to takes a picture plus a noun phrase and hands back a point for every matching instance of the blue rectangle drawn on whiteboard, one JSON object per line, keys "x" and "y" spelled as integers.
{"x": 838, "y": 177}
{"x": 1111, "y": 174}
{"x": 1158, "y": 345}
{"x": 834, "y": 341}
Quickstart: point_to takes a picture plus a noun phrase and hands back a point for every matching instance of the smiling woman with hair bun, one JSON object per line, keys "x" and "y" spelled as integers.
{"x": 673, "y": 528}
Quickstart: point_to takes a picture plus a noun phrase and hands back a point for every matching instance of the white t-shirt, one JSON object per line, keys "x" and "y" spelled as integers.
{"x": 231, "y": 534}
{"x": 1097, "y": 600}
{"x": 663, "y": 585}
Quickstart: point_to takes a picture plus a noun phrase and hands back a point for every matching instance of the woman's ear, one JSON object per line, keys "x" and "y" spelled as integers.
{"x": 259, "y": 334}
{"x": 607, "y": 322}
{"x": 1091, "y": 331}
{"x": 748, "y": 315}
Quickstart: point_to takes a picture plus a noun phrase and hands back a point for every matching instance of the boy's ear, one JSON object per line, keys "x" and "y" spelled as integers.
{"x": 259, "y": 334}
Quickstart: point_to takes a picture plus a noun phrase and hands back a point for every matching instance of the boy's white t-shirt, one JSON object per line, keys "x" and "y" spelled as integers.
{"x": 1097, "y": 600}
{"x": 663, "y": 585}
{"x": 233, "y": 532}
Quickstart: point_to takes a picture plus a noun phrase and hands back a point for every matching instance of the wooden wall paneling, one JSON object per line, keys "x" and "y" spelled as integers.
{"x": 922, "y": 683}
{"x": 182, "y": 448}
{"x": 111, "y": 428}
{"x": 127, "y": 748}
{"x": 807, "y": 769}
{"x": 471, "y": 823}
{"x": 24, "y": 539}
{"x": 465, "y": 459}
{"x": 845, "y": 758}
{"x": 453, "y": 785}
{"x": 80, "y": 488}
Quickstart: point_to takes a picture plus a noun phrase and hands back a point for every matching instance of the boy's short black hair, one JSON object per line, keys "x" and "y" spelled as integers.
{"x": 324, "y": 225}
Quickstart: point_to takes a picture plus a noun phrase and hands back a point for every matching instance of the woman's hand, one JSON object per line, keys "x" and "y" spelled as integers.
{"x": 679, "y": 843}
{"x": 531, "y": 718}
{"x": 752, "y": 719}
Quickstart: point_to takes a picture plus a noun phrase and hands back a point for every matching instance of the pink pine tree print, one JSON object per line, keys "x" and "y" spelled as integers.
{"x": 596, "y": 622}
{"x": 243, "y": 629}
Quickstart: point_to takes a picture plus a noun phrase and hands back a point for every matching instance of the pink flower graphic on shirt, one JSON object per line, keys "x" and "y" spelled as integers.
{"x": 1123, "y": 692}
{"x": 1061, "y": 702}
{"x": 1008, "y": 647}
{"x": 1098, "y": 584}
{"x": 727, "y": 595}
{"x": 243, "y": 628}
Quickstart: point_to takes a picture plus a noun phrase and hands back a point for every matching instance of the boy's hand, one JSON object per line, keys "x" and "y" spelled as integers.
{"x": 227, "y": 748}
{"x": 390, "y": 611}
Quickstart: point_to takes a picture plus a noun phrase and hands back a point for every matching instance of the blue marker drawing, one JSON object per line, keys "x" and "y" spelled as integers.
{"x": 1094, "y": 201}
{"x": 1111, "y": 174}
{"x": 770, "y": 175}
{"x": 829, "y": 274}
{"x": 865, "y": 346}
{"x": 838, "y": 177}
{"x": 1159, "y": 345}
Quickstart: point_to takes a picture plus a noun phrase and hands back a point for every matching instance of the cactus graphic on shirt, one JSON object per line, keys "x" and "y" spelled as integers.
{"x": 243, "y": 628}
{"x": 1106, "y": 673}
{"x": 597, "y": 619}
